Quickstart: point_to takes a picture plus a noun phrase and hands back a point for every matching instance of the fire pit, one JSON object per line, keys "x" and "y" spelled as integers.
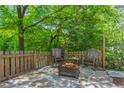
{"x": 69, "y": 67}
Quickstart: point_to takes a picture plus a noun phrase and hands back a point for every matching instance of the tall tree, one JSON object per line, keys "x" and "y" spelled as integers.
{"x": 21, "y": 10}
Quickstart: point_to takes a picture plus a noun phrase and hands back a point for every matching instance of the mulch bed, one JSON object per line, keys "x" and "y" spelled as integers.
{"x": 119, "y": 81}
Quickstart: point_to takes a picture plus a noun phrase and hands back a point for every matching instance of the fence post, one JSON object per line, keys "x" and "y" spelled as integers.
{"x": 29, "y": 61}
{"x": 1, "y": 66}
{"x": 17, "y": 62}
{"x": 12, "y": 63}
{"x": 21, "y": 60}
{"x": 6, "y": 65}
{"x": 49, "y": 58}
{"x": 32, "y": 60}
{"x": 25, "y": 61}
{"x": 35, "y": 59}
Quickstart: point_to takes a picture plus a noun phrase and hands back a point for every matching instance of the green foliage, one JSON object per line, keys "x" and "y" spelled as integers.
{"x": 76, "y": 28}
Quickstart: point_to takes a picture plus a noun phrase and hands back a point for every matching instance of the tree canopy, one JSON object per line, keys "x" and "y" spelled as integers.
{"x": 76, "y": 28}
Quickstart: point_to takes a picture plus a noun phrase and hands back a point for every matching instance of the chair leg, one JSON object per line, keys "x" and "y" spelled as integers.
{"x": 94, "y": 63}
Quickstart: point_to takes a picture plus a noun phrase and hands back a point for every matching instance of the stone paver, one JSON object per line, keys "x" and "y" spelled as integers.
{"x": 47, "y": 78}
{"x": 115, "y": 73}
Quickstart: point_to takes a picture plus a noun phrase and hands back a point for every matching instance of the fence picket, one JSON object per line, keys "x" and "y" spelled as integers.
{"x": 1, "y": 66}
{"x": 17, "y": 63}
{"x": 21, "y": 61}
{"x": 7, "y": 65}
{"x": 25, "y": 61}
{"x": 32, "y": 60}
{"x": 28, "y": 60}
{"x": 35, "y": 60}
{"x": 13, "y": 64}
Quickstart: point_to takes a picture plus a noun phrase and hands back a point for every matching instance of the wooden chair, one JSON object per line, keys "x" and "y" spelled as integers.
{"x": 91, "y": 58}
{"x": 58, "y": 55}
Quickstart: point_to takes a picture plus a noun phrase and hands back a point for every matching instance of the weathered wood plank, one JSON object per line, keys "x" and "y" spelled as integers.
{"x": 44, "y": 61}
{"x": 1, "y": 67}
{"x": 29, "y": 60}
{"x": 26, "y": 61}
{"x": 13, "y": 69}
{"x": 35, "y": 60}
{"x": 7, "y": 65}
{"x": 31, "y": 52}
{"x": 21, "y": 61}
{"x": 40, "y": 59}
{"x": 17, "y": 63}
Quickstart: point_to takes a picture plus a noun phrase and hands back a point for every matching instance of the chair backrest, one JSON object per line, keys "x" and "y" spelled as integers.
{"x": 92, "y": 54}
{"x": 58, "y": 53}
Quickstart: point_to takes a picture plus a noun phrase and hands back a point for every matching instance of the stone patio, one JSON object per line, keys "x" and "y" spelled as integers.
{"x": 47, "y": 77}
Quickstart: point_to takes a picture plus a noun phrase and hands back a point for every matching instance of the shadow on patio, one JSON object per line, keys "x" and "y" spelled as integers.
{"x": 47, "y": 77}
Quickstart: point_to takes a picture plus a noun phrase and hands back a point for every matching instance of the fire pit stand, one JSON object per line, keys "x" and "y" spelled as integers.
{"x": 70, "y": 67}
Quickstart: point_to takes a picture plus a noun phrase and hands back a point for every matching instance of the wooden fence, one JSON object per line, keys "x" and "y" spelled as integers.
{"x": 81, "y": 55}
{"x": 16, "y": 63}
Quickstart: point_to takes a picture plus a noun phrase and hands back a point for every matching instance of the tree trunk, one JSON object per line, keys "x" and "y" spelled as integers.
{"x": 20, "y": 12}
{"x": 103, "y": 51}
{"x": 21, "y": 39}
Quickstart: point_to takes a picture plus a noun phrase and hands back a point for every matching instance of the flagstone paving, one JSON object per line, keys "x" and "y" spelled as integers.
{"x": 47, "y": 78}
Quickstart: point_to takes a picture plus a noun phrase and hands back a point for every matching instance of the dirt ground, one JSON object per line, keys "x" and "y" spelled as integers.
{"x": 118, "y": 82}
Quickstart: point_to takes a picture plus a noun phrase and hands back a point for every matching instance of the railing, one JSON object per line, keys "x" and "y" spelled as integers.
{"x": 15, "y": 63}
